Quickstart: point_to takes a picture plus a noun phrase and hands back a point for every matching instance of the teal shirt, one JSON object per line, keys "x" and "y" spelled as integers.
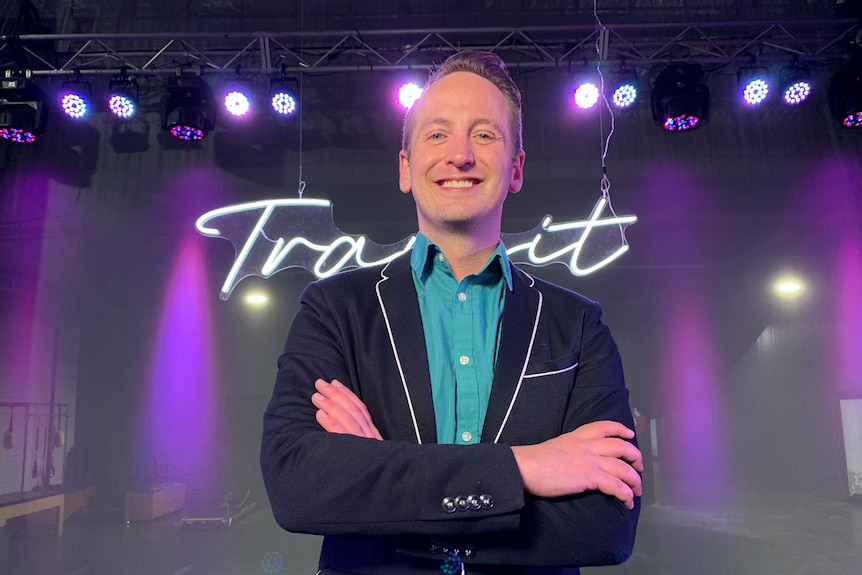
{"x": 461, "y": 322}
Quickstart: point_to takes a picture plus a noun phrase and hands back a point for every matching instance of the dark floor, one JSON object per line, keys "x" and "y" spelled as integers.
{"x": 792, "y": 537}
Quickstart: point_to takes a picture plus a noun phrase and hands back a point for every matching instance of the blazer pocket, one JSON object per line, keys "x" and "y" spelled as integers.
{"x": 554, "y": 366}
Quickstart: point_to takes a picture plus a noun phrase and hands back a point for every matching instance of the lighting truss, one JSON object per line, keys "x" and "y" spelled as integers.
{"x": 354, "y": 51}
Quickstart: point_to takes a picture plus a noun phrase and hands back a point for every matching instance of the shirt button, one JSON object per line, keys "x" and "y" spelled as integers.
{"x": 462, "y": 296}
{"x": 464, "y": 360}
{"x": 467, "y": 436}
{"x": 440, "y": 257}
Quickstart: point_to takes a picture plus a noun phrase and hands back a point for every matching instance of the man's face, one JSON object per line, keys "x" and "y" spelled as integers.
{"x": 460, "y": 165}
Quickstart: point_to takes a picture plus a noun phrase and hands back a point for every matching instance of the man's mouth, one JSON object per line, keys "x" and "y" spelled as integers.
{"x": 458, "y": 183}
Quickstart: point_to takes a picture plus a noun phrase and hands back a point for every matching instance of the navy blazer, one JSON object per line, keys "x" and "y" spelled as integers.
{"x": 395, "y": 506}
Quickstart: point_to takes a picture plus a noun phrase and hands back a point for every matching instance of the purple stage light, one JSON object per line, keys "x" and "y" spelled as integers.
{"x": 755, "y": 91}
{"x": 74, "y": 105}
{"x": 121, "y": 106}
{"x": 237, "y": 103}
{"x": 586, "y": 95}
{"x": 408, "y": 94}
{"x": 797, "y": 92}
{"x": 187, "y": 132}
{"x": 17, "y": 135}
{"x": 283, "y": 103}
{"x": 625, "y": 95}
{"x": 681, "y": 123}
{"x": 853, "y": 120}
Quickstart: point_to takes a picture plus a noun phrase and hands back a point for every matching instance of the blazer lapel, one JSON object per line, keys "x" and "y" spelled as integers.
{"x": 520, "y": 320}
{"x": 400, "y": 306}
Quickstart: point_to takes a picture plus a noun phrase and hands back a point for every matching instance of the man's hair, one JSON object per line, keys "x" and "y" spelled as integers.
{"x": 488, "y": 66}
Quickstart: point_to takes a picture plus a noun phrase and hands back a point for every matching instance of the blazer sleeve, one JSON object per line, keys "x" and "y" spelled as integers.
{"x": 586, "y": 529}
{"x": 334, "y": 484}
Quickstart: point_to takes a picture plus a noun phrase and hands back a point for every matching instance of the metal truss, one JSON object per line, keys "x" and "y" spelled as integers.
{"x": 572, "y": 47}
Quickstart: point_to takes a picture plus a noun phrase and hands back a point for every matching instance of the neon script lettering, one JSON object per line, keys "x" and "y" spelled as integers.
{"x": 258, "y": 231}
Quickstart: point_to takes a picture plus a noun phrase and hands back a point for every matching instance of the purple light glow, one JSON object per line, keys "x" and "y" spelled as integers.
{"x": 237, "y": 103}
{"x": 681, "y": 123}
{"x": 408, "y": 94}
{"x": 17, "y": 135}
{"x": 121, "y": 106}
{"x": 848, "y": 313}
{"x": 180, "y": 417}
{"x": 586, "y": 96}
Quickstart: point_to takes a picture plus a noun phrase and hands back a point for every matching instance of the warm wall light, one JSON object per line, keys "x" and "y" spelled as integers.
{"x": 256, "y": 299}
{"x": 22, "y": 110}
{"x": 788, "y": 287}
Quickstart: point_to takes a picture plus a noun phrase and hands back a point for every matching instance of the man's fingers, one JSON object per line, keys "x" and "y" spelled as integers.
{"x": 604, "y": 428}
{"x": 346, "y": 412}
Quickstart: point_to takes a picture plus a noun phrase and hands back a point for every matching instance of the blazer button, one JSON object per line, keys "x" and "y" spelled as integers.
{"x": 474, "y": 502}
{"x": 461, "y": 503}
{"x": 486, "y": 501}
{"x": 448, "y": 505}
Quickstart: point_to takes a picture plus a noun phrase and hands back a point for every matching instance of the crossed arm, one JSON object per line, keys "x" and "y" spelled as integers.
{"x": 593, "y": 457}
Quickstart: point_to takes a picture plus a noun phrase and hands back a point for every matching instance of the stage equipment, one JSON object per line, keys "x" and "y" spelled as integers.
{"x": 236, "y": 95}
{"x": 75, "y": 98}
{"x": 22, "y": 109}
{"x": 845, "y": 94}
{"x": 122, "y": 97}
{"x": 408, "y": 93}
{"x": 189, "y": 111}
{"x": 680, "y": 100}
{"x": 624, "y": 88}
{"x": 283, "y": 95}
{"x": 9, "y": 436}
{"x": 795, "y": 83}
{"x": 587, "y": 93}
{"x": 753, "y": 84}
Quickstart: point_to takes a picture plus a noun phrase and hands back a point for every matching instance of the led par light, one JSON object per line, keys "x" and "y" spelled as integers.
{"x": 22, "y": 110}
{"x": 188, "y": 111}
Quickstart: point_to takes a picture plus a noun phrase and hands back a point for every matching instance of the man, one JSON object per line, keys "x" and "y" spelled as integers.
{"x": 447, "y": 410}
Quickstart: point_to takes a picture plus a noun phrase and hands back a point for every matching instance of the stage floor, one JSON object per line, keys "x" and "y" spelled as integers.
{"x": 790, "y": 537}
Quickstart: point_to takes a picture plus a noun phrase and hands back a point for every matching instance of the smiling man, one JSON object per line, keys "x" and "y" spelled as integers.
{"x": 448, "y": 411}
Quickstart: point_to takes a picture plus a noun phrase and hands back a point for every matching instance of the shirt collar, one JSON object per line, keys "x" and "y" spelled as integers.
{"x": 424, "y": 251}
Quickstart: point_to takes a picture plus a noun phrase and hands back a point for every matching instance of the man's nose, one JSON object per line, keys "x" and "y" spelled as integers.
{"x": 460, "y": 152}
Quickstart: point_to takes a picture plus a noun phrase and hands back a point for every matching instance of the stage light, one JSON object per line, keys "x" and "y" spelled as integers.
{"x": 408, "y": 93}
{"x": 624, "y": 89}
{"x": 22, "y": 110}
{"x": 282, "y": 96}
{"x": 188, "y": 111}
{"x": 845, "y": 94}
{"x": 587, "y": 94}
{"x": 122, "y": 97}
{"x": 75, "y": 99}
{"x": 237, "y": 96}
{"x": 788, "y": 287}
{"x": 753, "y": 84}
{"x": 795, "y": 83}
{"x": 679, "y": 99}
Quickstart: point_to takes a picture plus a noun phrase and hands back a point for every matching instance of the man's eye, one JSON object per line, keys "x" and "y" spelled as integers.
{"x": 435, "y": 136}
{"x": 486, "y": 136}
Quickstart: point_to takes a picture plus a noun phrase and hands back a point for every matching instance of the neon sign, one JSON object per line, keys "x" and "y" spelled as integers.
{"x": 258, "y": 230}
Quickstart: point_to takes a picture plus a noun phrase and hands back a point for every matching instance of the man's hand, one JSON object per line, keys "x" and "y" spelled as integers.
{"x": 340, "y": 411}
{"x": 594, "y": 457}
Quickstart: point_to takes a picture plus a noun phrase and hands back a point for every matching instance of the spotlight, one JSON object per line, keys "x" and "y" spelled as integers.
{"x": 753, "y": 84}
{"x": 845, "y": 94}
{"x": 408, "y": 93}
{"x": 22, "y": 110}
{"x": 122, "y": 97}
{"x": 75, "y": 99}
{"x": 795, "y": 83}
{"x": 680, "y": 101}
{"x": 587, "y": 93}
{"x": 188, "y": 111}
{"x": 282, "y": 96}
{"x": 624, "y": 89}
{"x": 237, "y": 97}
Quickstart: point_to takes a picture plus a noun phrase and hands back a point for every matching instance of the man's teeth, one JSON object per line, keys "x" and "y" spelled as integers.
{"x": 457, "y": 183}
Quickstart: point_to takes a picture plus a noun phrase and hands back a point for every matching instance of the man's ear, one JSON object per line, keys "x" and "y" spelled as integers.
{"x": 404, "y": 172}
{"x": 517, "y": 173}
